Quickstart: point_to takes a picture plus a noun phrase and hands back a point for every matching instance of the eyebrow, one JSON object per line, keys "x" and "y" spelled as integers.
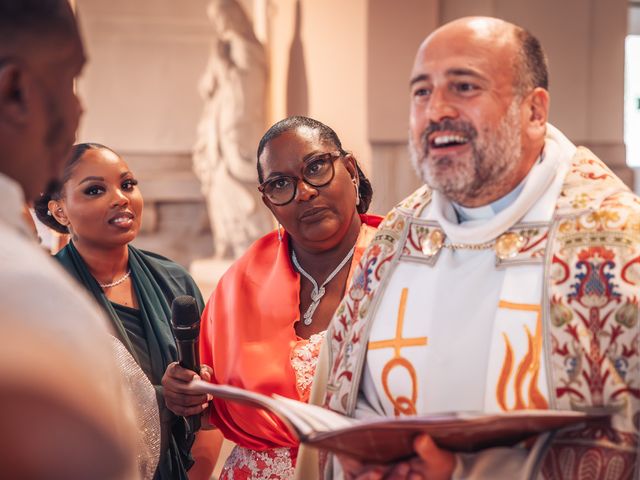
{"x": 92, "y": 179}
{"x": 101, "y": 179}
{"x": 418, "y": 78}
{"x": 466, "y": 72}
{"x": 452, "y": 72}
{"x": 275, "y": 175}
{"x": 308, "y": 156}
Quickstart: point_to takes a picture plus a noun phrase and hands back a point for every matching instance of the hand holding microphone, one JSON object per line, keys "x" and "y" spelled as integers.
{"x": 185, "y": 322}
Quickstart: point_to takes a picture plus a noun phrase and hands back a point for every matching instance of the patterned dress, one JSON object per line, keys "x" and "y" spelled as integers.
{"x": 277, "y": 463}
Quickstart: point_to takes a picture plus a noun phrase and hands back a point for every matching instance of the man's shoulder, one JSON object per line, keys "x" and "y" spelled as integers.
{"x": 34, "y": 287}
{"x": 416, "y": 202}
{"x": 590, "y": 186}
{"x": 411, "y": 207}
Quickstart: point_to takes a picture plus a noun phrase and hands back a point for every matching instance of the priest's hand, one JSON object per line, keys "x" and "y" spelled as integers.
{"x": 177, "y": 396}
{"x": 355, "y": 470}
{"x": 430, "y": 463}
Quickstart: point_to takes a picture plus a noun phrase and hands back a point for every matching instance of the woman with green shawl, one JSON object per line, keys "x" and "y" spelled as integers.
{"x": 99, "y": 204}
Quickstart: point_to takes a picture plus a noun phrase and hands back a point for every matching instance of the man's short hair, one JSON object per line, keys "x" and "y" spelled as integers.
{"x": 33, "y": 18}
{"x": 531, "y": 69}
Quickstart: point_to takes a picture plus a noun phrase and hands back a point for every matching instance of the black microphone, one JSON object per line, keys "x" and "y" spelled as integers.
{"x": 185, "y": 323}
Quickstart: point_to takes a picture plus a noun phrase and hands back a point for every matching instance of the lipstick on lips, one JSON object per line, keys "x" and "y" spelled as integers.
{"x": 122, "y": 219}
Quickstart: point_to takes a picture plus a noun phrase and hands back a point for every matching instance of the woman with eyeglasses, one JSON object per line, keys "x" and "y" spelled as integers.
{"x": 263, "y": 326}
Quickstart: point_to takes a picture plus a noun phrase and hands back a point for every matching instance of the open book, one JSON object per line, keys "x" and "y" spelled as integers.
{"x": 390, "y": 439}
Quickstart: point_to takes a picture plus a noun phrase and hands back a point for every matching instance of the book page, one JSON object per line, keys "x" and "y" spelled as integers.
{"x": 303, "y": 417}
{"x": 298, "y": 425}
{"x": 321, "y": 419}
{"x": 384, "y": 439}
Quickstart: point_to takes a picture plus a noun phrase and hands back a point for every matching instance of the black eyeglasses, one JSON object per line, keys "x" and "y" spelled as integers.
{"x": 317, "y": 172}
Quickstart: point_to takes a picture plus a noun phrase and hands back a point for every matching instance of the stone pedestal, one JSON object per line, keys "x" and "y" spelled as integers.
{"x": 174, "y": 221}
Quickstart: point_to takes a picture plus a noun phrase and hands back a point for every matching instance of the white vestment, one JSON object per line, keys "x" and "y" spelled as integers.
{"x": 457, "y": 312}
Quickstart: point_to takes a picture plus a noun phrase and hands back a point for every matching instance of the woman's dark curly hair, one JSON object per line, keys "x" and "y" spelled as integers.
{"x": 55, "y": 189}
{"x": 365, "y": 191}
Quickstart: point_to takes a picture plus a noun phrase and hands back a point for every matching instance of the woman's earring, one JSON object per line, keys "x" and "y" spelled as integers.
{"x": 355, "y": 182}
{"x": 279, "y": 233}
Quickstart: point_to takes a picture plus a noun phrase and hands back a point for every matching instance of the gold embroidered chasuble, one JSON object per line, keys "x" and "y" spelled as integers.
{"x": 583, "y": 345}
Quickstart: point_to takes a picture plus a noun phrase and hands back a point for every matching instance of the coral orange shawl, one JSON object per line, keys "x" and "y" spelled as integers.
{"x": 247, "y": 332}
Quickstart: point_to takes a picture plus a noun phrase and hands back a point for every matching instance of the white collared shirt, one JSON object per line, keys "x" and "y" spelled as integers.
{"x": 42, "y": 302}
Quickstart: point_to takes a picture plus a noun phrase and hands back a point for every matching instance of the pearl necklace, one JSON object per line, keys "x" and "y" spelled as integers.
{"x": 318, "y": 291}
{"x": 117, "y": 282}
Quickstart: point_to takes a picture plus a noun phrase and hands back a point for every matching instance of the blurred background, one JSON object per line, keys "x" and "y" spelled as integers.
{"x": 344, "y": 62}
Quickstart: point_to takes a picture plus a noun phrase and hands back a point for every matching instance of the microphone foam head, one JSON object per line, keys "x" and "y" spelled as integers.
{"x": 185, "y": 318}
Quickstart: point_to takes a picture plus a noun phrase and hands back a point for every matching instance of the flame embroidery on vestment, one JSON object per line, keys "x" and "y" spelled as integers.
{"x": 528, "y": 368}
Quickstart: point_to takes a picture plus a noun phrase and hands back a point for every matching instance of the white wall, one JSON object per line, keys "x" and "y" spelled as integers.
{"x": 145, "y": 58}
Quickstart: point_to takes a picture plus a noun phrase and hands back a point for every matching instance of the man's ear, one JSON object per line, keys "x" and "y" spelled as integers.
{"x": 13, "y": 94}
{"x": 536, "y": 113}
{"x": 58, "y": 212}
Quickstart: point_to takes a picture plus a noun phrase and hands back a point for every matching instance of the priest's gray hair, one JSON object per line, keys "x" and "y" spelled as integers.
{"x": 531, "y": 66}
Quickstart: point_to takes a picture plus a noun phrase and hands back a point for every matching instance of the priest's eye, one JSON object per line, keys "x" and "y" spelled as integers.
{"x": 465, "y": 87}
{"x": 422, "y": 92}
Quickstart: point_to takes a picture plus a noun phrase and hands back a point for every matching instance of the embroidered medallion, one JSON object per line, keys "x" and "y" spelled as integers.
{"x": 432, "y": 242}
{"x": 508, "y": 245}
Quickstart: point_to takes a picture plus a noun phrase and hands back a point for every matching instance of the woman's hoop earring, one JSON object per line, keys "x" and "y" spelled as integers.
{"x": 279, "y": 233}
{"x": 357, "y": 192}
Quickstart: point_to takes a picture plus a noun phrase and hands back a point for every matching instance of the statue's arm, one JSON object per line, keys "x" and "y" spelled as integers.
{"x": 245, "y": 53}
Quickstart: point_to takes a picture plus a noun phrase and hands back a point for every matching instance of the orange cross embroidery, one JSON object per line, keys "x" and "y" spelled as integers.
{"x": 401, "y": 404}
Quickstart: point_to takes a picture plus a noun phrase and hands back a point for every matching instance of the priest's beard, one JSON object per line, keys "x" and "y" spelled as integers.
{"x": 494, "y": 157}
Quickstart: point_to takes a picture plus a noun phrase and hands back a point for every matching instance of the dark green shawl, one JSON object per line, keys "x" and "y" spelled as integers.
{"x": 157, "y": 281}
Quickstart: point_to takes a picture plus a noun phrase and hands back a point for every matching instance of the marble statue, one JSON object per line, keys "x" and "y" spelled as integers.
{"x": 233, "y": 88}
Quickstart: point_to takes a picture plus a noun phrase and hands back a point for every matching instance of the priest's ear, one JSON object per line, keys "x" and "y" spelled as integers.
{"x": 535, "y": 113}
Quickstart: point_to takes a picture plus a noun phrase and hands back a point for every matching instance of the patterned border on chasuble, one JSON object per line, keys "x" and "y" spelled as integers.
{"x": 592, "y": 323}
{"x": 425, "y": 240}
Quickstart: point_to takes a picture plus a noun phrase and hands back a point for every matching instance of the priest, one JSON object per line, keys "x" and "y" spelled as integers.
{"x": 509, "y": 281}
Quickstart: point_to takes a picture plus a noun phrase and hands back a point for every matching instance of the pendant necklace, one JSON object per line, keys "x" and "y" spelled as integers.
{"x": 117, "y": 282}
{"x": 318, "y": 291}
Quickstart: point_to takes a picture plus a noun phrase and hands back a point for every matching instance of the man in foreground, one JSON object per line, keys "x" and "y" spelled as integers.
{"x": 63, "y": 412}
{"x": 508, "y": 282}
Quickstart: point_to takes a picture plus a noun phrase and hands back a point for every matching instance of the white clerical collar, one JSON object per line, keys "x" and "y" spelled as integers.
{"x": 485, "y": 212}
{"x": 480, "y": 231}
